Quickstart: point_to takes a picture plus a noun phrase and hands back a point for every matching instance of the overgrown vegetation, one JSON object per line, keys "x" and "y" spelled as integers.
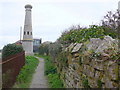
{"x": 11, "y": 49}
{"x": 76, "y": 34}
{"x": 51, "y": 72}
{"x": 99, "y": 83}
{"x": 109, "y": 26}
{"x": 82, "y": 35}
{"x": 85, "y": 83}
{"x": 25, "y": 76}
{"x": 49, "y": 67}
{"x": 62, "y": 59}
{"x": 44, "y": 48}
{"x": 54, "y": 81}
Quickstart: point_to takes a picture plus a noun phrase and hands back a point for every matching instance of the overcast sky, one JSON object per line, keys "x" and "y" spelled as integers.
{"x": 50, "y": 17}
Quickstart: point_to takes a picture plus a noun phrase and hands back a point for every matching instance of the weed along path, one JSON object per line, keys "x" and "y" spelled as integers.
{"x": 39, "y": 80}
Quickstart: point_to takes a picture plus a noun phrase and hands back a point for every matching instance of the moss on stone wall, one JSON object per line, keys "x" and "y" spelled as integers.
{"x": 92, "y": 64}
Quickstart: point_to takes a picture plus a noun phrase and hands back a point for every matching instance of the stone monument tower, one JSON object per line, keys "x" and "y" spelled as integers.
{"x": 27, "y": 41}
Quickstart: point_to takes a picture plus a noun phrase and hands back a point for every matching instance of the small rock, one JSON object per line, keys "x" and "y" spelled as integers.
{"x": 77, "y": 47}
{"x": 76, "y": 55}
{"x": 71, "y": 46}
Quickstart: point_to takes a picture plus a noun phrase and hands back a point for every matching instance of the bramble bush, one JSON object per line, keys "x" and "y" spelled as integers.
{"x": 11, "y": 49}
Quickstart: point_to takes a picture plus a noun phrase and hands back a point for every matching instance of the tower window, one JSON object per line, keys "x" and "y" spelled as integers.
{"x": 31, "y": 33}
{"x": 24, "y": 32}
{"x": 28, "y": 33}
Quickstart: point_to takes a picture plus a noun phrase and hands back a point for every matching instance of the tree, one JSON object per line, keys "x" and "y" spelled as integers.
{"x": 111, "y": 23}
{"x": 111, "y": 20}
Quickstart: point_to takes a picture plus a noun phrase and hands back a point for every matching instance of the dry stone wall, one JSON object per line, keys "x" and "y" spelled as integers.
{"x": 93, "y": 64}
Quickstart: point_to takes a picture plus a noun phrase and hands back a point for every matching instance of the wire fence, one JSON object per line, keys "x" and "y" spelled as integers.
{"x": 11, "y": 68}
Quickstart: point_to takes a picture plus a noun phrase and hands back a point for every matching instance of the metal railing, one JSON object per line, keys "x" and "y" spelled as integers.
{"x": 10, "y": 69}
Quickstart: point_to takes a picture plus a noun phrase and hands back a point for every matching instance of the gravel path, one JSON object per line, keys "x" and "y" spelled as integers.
{"x": 39, "y": 80}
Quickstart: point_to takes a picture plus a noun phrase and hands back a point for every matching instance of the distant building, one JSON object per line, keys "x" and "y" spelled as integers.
{"x": 36, "y": 44}
{"x": 19, "y": 42}
{"x": 47, "y": 42}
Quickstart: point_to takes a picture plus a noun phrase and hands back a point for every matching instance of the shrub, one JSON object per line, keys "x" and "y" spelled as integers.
{"x": 111, "y": 23}
{"x": 78, "y": 36}
{"x": 49, "y": 67}
{"x": 43, "y": 49}
{"x": 55, "y": 49}
{"x": 11, "y": 49}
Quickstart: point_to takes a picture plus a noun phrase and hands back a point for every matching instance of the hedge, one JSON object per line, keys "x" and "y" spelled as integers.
{"x": 11, "y": 49}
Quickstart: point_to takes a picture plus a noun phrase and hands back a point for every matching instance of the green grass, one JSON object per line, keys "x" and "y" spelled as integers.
{"x": 25, "y": 76}
{"x": 54, "y": 81}
{"x": 51, "y": 73}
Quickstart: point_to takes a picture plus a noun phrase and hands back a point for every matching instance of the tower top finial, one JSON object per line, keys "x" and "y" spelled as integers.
{"x": 28, "y": 6}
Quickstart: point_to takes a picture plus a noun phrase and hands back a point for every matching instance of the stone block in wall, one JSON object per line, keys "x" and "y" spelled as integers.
{"x": 104, "y": 56}
{"x": 107, "y": 83}
{"x": 67, "y": 84}
{"x": 71, "y": 46}
{"x": 94, "y": 43}
{"x": 76, "y": 55}
{"x": 71, "y": 83}
{"x": 98, "y": 45}
{"x": 75, "y": 60}
{"x": 71, "y": 67}
{"x": 69, "y": 57}
{"x": 80, "y": 68}
{"x": 92, "y": 82}
{"x": 106, "y": 43}
{"x": 77, "y": 47}
{"x": 99, "y": 65}
{"x": 85, "y": 60}
{"x": 99, "y": 74}
{"x": 110, "y": 84}
{"x": 103, "y": 79}
{"x": 91, "y": 71}
{"x": 113, "y": 71}
{"x": 79, "y": 84}
{"x": 75, "y": 66}
{"x": 77, "y": 80}
{"x": 88, "y": 70}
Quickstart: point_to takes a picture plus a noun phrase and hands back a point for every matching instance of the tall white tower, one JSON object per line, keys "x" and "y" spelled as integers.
{"x": 27, "y": 41}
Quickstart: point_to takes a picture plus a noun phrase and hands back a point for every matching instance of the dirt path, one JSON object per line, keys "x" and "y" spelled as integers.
{"x": 39, "y": 80}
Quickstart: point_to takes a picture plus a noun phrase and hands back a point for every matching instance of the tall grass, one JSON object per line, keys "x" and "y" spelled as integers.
{"x": 51, "y": 73}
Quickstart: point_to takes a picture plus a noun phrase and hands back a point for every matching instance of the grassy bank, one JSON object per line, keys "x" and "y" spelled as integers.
{"x": 51, "y": 73}
{"x": 25, "y": 76}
